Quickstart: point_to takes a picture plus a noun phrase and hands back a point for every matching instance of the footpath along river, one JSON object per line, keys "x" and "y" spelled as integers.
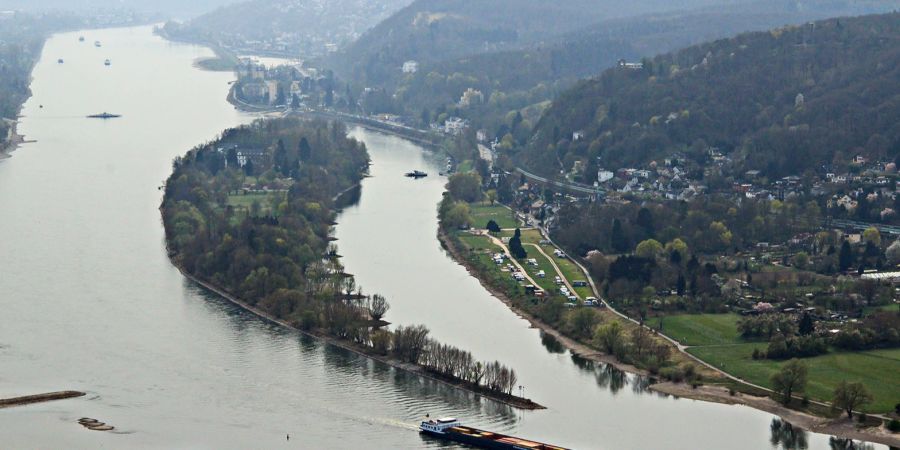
{"x": 90, "y": 301}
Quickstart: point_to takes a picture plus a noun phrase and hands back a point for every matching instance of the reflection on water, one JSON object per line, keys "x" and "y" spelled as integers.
{"x": 786, "y": 436}
{"x": 551, "y": 343}
{"x": 850, "y": 444}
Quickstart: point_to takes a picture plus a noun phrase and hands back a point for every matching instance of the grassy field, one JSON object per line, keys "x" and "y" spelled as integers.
{"x": 877, "y": 369}
{"x": 700, "y": 329}
{"x": 243, "y": 202}
{"x": 482, "y": 213}
{"x": 570, "y": 271}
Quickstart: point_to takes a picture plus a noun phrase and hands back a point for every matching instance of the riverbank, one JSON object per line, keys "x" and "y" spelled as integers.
{"x": 840, "y": 427}
{"x": 511, "y": 400}
{"x": 716, "y": 393}
{"x": 39, "y": 398}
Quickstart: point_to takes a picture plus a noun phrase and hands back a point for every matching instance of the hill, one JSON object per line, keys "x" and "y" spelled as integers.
{"x": 289, "y": 27}
{"x": 514, "y": 79}
{"x": 782, "y": 102}
{"x": 433, "y": 30}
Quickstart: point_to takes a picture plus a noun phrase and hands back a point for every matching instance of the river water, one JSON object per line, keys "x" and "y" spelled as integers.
{"x": 90, "y": 301}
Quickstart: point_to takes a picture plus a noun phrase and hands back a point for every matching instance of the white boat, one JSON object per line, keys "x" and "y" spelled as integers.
{"x": 107, "y": 62}
{"x": 96, "y": 43}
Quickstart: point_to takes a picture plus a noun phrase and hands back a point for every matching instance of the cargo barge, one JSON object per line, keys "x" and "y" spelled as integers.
{"x": 451, "y": 429}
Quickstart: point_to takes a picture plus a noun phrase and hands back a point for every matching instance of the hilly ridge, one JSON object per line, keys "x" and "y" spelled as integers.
{"x": 782, "y": 102}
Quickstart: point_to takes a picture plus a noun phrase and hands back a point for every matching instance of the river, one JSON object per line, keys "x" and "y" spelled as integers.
{"x": 91, "y": 302}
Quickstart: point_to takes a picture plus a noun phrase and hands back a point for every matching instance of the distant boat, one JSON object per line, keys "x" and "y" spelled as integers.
{"x": 107, "y": 62}
{"x": 416, "y": 174}
{"x": 104, "y": 115}
{"x": 60, "y": 61}
{"x": 80, "y": 38}
{"x": 96, "y": 43}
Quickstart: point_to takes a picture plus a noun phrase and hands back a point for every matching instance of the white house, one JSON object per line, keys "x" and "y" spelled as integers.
{"x": 410, "y": 66}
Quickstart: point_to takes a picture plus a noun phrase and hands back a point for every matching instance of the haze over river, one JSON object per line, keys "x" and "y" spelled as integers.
{"x": 91, "y": 302}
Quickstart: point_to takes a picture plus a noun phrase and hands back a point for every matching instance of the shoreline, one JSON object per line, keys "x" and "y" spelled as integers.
{"x": 840, "y": 427}
{"x": 507, "y": 399}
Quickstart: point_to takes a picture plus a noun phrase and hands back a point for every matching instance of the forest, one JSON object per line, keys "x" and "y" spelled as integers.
{"x": 793, "y": 99}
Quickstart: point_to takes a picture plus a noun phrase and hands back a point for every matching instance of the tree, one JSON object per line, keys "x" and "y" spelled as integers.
{"x": 845, "y": 257}
{"x": 649, "y": 249}
{"x": 617, "y": 239}
{"x": 850, "y": 396}
{"x": 491, "y": 196}
{"x": 465, "y": 186}
{"x": 492, "y": 226}
{"x": 790, "y": 379}
{"x": 378, "y": 306}
{"x": 801, "y": 260}
{"x": 515, "y": 245}
{"x": 304, "y": 150}
{"x": 609, "y": 336}
{"x": 872, "y": 235}
{"x": 458, "y": 215}
{"x": 583, "y": 320}
{"x": 806, "y": 325}
{"x": 680, "y": 285}
{"x": 893, "y": 253}
{"x": 677, "y": 246}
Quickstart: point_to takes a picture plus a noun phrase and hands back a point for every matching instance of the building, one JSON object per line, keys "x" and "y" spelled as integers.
{"x": 471, "y": 97}
{"x": 630, "y": 66}
{"x": 410, "y": 66}
{"x": 256, "y": 156}
{"x": 454, "y": 125}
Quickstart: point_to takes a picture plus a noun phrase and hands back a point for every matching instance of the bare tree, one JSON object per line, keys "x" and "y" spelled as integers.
{"x": 378, "y": 307}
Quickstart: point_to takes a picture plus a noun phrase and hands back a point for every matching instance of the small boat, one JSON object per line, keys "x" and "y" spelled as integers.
{"x": 96, "y": 43}
{"x": 80, "y": 38}
{"x": 60, "y": 61}
{"x": 416, "y": 174}
{"x": 452, "y": 430}
{"x": 104, "y": 115}
{"x": 107, "y": 62}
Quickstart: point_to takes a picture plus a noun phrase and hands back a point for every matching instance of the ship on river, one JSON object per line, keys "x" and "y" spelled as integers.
{"x": 451, "y": 429}
{"x": 416, "y": 174}
{"x": 103, "y": 115}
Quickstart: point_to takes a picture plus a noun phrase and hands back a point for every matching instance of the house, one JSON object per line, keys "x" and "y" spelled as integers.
{"x": 604, "y": 175}
{"x": 577, "y": 136}
{"x": 410, "y": 66}
{"x": 252, "y": 155}
{"x": 470, "y": 98}
{"x": 630, "y": 66}
{"x": 454, "y": 125}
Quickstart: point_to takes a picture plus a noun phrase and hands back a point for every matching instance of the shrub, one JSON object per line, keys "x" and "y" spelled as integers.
{"x": 731, "y": 392}
{"x": 673, "y": 374}
{"x": 894, "y": 426}
{"x": 862, "y": 417}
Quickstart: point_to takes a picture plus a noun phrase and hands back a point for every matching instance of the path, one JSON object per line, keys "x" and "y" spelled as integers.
{"x": 557, "y": 269}
{"x": 503, "y": 246}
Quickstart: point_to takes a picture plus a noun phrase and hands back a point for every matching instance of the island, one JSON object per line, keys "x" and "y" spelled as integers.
{"x": 249, "y": 216}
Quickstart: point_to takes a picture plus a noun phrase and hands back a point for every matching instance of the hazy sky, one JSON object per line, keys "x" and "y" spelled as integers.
{"x": 173, "y": 8}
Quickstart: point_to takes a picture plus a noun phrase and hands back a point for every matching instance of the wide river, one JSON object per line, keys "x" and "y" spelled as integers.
{"x": 90, "y": 301}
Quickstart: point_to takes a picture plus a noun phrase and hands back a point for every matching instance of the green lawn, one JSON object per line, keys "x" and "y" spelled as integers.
{"x": 700, "y": 329}
{"x": 570, "y": 271}
{"x": 877, "y": 369}
{"x": 477, "y": 242}
{"x": 481, "y": 213}
{"x": 245, "y": 201}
